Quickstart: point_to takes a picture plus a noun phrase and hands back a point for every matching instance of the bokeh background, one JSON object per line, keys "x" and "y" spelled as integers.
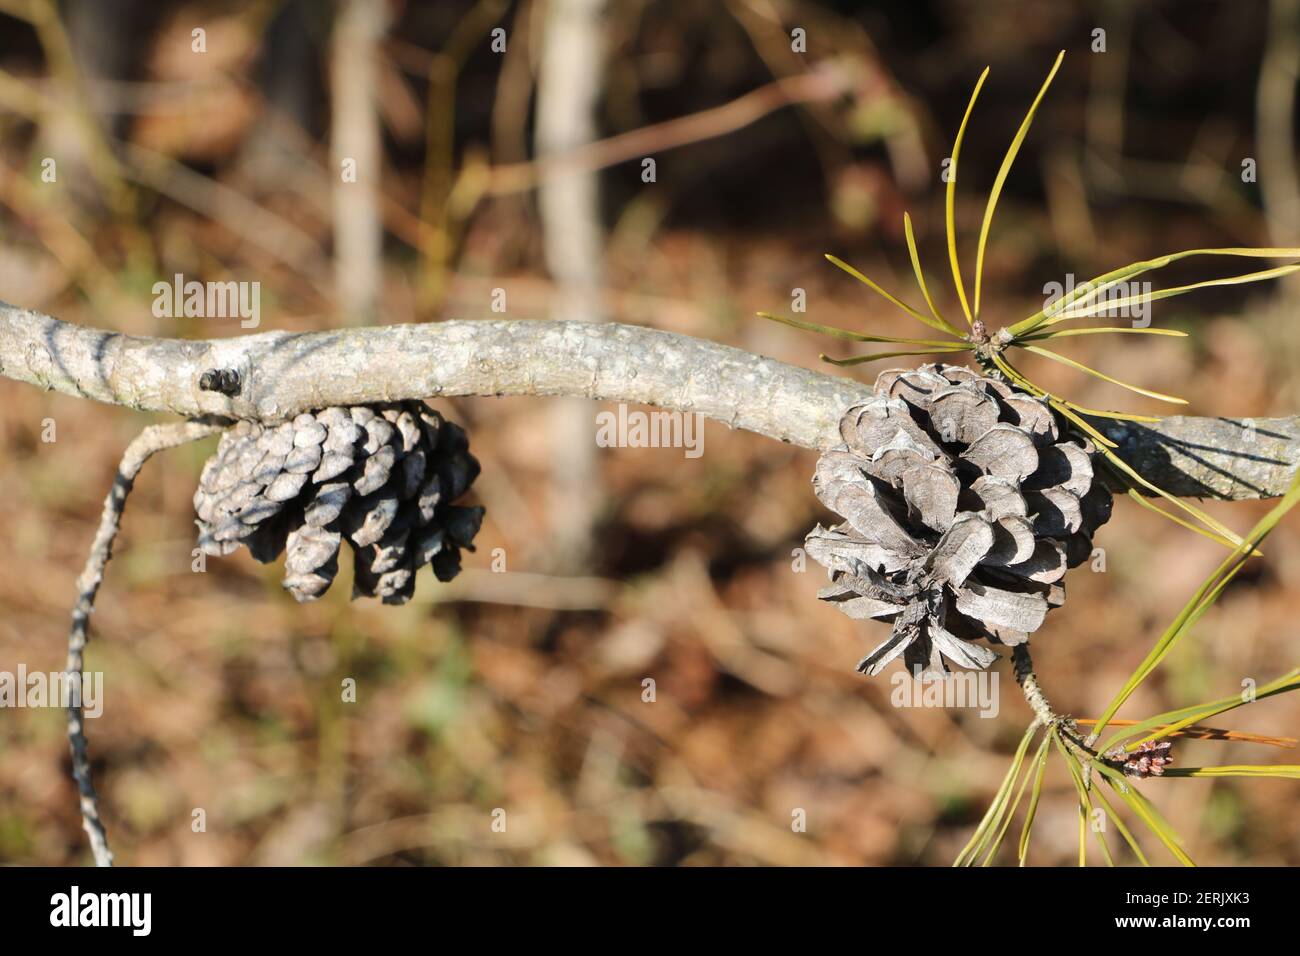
{"x": 523, "y": 690}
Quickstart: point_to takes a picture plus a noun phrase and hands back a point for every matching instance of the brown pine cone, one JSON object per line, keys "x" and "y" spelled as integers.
{"x": 381, "y": 477}
{"x": 963, "y": 506}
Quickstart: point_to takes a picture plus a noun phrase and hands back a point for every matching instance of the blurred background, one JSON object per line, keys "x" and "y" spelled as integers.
{"x": 213, "y": 140}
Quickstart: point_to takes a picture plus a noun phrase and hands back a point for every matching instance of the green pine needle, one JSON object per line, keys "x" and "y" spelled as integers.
{"x": 841, "y": 264}
{"x": 1192, "y": 612}
{"x": 863, "y": 359}
{"x": 939, "y": 321}
{"x": 1055, "y": 357}
{"x": 853, "y": 336}
{"x": 949, "y": 200}
{"x": 996, "y": 192}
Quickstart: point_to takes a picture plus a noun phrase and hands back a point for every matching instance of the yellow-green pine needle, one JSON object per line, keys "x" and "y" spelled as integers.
{"x": 1034, "y": 795}
{"x": 1066, "y": 333}
{"x": 1152, "y": 506}
{"x": 1157, "y": 294}
{"x": 1103, "y": 413}
{"x": 1038, "y": 760}
{"x": 1047, "y": 353}
{"x": 1055, "y": 401}
{"x": 841, "y": 264}
{"x": 1231, "y": 537}
{"x": 862, "y": 359}
{"x": 1101, "y": 283}
{"x": 1145, "y": 811}
{"x": 1170, "y": 722}
{"x": 1201, "y": 601}
{"x": 851, "y": 336}
{"x": 996, "y": 192}
{"x": 1106, "y": 447}
{"x": 939, "y": 322}
{"x": 1085, "y": 806}
{"x": 1081, "y": 409}
{"x": 993, "y": 816}
{"x": 1119, "y": 825}
{"x": 1283, "y": 771}
{"x": 949, "y": 201}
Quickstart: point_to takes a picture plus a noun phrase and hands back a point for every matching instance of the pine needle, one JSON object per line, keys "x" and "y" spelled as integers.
{"x": 863, "y": 359}
{"x": 949, "y": 201}
{"x": 939, "y": 322}
{"x": 1066, "y": 333}
{"x": 851, "y": 336}
{"x": 1056, "y": 357}
{"x": 841, "y": 264}
{"x": 996, "y": 192}
{"x": 1102, "y": 283}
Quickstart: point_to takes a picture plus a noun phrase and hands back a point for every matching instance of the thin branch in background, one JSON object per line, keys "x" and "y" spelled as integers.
{"x": 74, "y": 104}
{"x": 834, "y": 133}
{"x": 823, "y": 83}
{"x": 153, "y": 439}
{"x": 282, "y": 240}
{"x": 61, "y": 240}
{"x": 260, "y": 227}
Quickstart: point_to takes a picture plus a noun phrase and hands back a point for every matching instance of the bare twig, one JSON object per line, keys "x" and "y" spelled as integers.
{"x": 153, "y": 439}
{"x": 821, "y": 84}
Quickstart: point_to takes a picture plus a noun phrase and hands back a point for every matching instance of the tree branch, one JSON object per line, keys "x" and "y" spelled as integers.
{"x": 285, "y": 373}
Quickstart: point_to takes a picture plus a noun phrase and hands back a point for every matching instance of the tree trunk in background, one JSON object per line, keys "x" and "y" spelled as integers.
{"x": 571, "y": 68}
{"x": 355, "y": 137}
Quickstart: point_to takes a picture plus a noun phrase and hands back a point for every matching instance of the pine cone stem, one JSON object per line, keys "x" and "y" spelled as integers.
{"x": 1023, "y": 665}
{"x": 153, "y": 439}
{"x": 1028, "y": 681}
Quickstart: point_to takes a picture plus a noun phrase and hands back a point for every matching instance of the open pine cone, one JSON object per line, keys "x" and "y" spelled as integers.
{"x": 963, "y": 507}
{"x": 382, "y": 476}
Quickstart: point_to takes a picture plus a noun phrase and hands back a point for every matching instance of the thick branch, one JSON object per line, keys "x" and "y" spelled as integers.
{"x": 283, "y": 374}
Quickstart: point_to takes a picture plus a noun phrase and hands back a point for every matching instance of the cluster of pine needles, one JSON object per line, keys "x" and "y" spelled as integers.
{"x": 1090, "y": 765}
{"x": 1089, "y": 300}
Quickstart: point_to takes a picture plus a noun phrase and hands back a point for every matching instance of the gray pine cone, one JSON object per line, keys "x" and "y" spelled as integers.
{"x": 381, "y": 477}
{"x": 963, "y": 504}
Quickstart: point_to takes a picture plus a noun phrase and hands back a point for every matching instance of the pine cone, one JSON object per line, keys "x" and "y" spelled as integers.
{"x": 963, "y": 507}
{"x": 382, "y": 477}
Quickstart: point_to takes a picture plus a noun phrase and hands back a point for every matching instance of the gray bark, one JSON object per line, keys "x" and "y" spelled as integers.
{"x": 285, "y": 373}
